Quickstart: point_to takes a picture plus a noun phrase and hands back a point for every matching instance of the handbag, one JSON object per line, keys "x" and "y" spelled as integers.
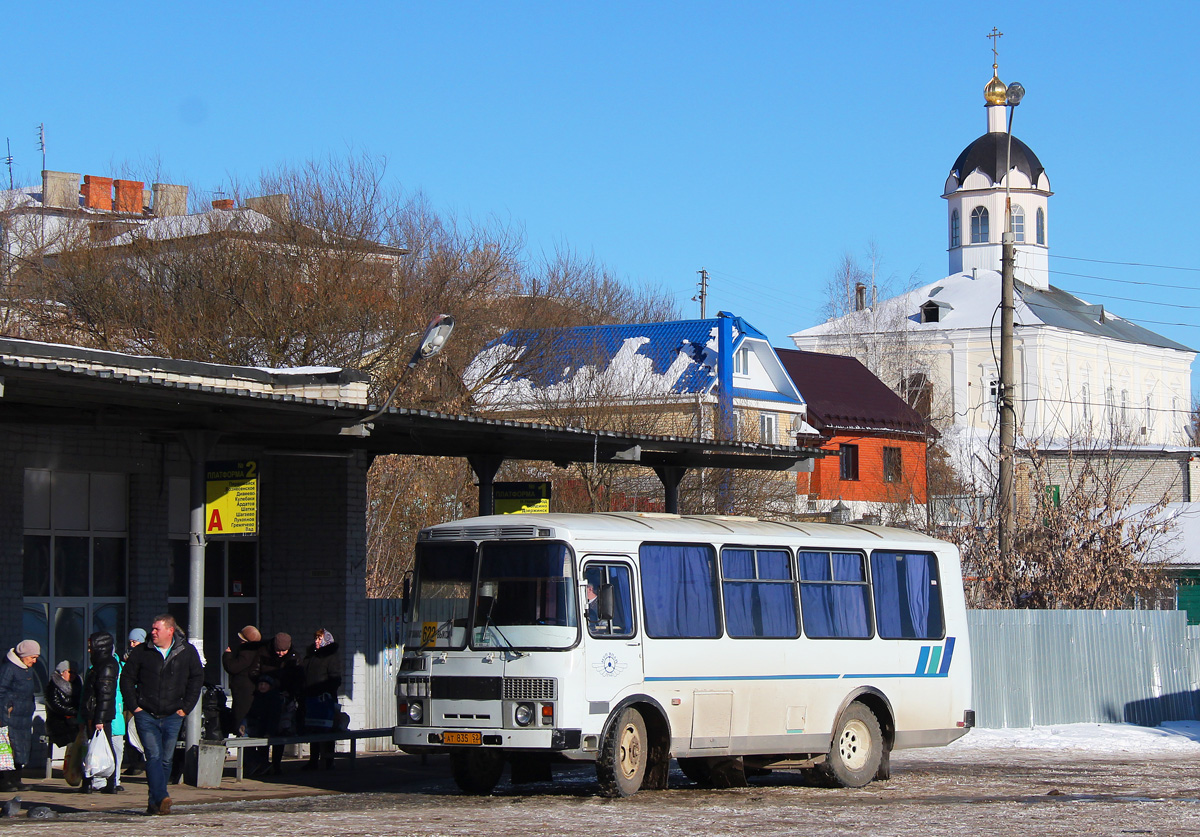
{"x": 320, "y": 711}
{"x": 6, "y": 753}
{"x": 73, "y": 761}
{"x": 99, "y": 762}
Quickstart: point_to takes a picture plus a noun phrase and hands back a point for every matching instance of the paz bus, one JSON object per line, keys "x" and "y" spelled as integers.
{"x": 730, "y": 644}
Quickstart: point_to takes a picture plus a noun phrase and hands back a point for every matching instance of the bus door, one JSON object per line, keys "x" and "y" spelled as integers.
{"x": 612, "y": 644}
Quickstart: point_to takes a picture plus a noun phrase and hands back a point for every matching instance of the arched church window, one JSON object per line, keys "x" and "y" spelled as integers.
{"x": 979, "y": 225}
{"x": 955, "y": 231}
{"x": 1041, "y": 226}
{"x": 1017, "y": 224}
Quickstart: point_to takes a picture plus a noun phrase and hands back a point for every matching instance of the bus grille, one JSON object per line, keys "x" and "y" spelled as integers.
{"x": 483, "y": 533}
{"x": 530, "y": 688}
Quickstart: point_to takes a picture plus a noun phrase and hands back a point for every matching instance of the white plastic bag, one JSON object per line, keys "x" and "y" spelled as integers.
{"x": 99, "y": 762}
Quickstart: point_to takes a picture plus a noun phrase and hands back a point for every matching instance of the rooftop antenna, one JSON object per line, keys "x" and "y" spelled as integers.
{"x": 42, "y": 142}
{"x": 8, "y": 162}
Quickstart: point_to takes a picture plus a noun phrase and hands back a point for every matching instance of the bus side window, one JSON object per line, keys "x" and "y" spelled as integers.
{"x": 759, "y": 596}
{"x": 616, "y": 579}
{"x": 908, "y": 597}
{"x": 833, "y": 594}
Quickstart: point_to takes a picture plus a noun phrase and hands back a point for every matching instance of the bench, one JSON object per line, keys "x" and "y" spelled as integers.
{"x": 211, "y": 758}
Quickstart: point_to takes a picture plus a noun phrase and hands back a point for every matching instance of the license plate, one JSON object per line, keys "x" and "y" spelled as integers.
{"x": 462, "y": 737}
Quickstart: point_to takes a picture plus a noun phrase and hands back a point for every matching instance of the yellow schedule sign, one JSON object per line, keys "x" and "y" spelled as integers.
{"x": 521, "y": 497}
{"x": 231, "y": 498}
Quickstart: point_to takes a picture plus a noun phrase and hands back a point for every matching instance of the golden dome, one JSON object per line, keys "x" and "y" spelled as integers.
{"x": 995, "y": 93}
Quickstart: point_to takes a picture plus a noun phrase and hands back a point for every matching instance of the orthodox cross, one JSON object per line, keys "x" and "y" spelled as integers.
{"x": 995, "y": 35}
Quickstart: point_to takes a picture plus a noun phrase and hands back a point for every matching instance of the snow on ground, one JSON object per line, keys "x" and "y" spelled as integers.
{"x": 1173, "y": 737}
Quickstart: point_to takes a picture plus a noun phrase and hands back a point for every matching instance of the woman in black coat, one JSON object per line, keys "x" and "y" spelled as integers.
{"x": 99, "y": 705}
{"x": 17, "y": 686}
{"x": 322, "y": 667}
{"x": 62, "y": 705}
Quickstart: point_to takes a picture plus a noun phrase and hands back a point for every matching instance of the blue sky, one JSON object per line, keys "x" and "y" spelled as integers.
{"x": 761, "y": 141}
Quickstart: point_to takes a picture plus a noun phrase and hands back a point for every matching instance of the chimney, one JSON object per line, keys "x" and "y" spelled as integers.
{"x": 60, "y": 188}
{"x": 275, "y": 207}
{"x": 97, "y": 192}
{"x": 860, "y": 296}
{"x": 223, "y": 204}
{"x": 169, "y": 200}
{"x": 129, "y": 196}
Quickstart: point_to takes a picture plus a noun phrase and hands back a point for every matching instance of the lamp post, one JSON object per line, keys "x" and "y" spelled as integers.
{"x": 1006, "y": 497}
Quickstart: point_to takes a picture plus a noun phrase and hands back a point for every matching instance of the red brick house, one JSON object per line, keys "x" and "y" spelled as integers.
{"x": 880, "y": 441}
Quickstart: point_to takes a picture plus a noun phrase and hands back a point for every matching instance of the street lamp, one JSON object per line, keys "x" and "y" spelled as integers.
{"x": 1015, "y": 92}
{"x": 432, "y": 341}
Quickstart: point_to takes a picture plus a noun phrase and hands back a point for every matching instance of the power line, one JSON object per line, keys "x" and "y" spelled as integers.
{"x": 1128, "y": 264}
{"x": 1126, "y": 281}
{"x": 1131, "y": 299}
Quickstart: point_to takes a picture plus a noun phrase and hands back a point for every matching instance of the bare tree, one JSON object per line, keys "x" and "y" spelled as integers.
{"x": 1082, "y": 540}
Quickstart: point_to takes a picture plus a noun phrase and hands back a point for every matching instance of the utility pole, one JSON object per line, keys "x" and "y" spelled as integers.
{"x": 1006, "y": 517}
{"x": 702, "y": 296}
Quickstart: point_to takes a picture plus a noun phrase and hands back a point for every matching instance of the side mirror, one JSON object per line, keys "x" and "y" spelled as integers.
{"x": 606, "y": 603}
{"x": 406, "y": 597}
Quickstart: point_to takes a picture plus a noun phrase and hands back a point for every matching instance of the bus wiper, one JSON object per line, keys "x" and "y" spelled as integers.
{"x": 487, "y": 609}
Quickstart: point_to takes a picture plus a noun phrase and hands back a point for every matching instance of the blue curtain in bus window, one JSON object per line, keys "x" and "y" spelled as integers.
{"x": 758, "y": 608}
{"x": 908, "y": 602}
{"x": 833, "y": 609}
{"x": 679, "y": 589}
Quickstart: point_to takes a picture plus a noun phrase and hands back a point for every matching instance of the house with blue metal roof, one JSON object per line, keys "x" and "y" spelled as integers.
{"x": 710, "y": 378}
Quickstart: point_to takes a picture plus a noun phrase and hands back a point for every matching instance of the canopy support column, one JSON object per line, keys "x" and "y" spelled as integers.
{"x": 485, "y": 468}
{"x": 670, "y": 476}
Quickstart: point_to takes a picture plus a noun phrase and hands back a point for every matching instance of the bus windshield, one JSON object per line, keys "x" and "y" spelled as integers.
{"x": 526, "y": 596}
{"x": 444, "y": 572}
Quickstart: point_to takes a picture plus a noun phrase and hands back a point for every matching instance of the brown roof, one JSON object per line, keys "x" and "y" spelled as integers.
{"x": 842, "y": 395}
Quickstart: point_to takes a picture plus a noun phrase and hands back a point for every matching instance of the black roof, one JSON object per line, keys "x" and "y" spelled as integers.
{"x": 988, "y": 154}
{"x": 843, "y": 395}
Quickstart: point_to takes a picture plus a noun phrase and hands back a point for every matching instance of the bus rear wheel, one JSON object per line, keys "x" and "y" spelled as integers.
{"x": 476, "y": 772}
{"x": 857, "y": 748}
{"x": 621, "y": 766}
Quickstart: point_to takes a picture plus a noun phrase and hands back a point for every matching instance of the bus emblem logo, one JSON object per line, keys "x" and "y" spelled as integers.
{"x": 609, "y": 665}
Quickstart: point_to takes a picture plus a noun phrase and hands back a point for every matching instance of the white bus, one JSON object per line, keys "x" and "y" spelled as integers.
{"x": 730, "y": 644}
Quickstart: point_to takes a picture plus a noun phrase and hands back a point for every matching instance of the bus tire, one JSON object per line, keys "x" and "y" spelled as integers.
{"x": 621, "y": 766}
{"x": 476, "y": 772}
{"x": 857, "y": 748}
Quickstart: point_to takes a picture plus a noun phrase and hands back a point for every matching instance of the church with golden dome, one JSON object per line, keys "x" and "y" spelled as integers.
{"x": 1084, "y": 375}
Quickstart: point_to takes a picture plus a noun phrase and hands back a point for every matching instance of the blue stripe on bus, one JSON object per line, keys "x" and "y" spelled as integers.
{"x": 923, "y": 660}
{"x": 945, "y": 669}
{"x": 786, "y": 677}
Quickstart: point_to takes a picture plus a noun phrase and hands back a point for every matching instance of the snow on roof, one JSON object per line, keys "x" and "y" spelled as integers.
{"x": 201, "y": 223}
{"x": 966, "y": 301}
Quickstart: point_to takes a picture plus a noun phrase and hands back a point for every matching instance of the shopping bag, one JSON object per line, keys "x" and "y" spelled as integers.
{"x": 319, "y": 712}
{"x": 6, "y": 755}
{"x": 99, "y": 762}
{"x": 73, "y": 761}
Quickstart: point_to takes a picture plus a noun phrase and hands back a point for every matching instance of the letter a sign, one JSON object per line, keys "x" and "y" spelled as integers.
{"x": 231, "y": 498}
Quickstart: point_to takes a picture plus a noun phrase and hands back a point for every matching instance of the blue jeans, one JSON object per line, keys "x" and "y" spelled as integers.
{"x": 158, "y": 742}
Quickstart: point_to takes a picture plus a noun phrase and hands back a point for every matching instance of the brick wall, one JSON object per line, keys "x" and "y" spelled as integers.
{"x": 825, "y": 480}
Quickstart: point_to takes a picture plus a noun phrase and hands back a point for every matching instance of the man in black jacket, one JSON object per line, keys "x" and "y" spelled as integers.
{"x": 161, "y": 683}
{"x": 99, "y": 707}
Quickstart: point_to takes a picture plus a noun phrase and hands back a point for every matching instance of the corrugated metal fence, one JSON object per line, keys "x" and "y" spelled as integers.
{"x": 383, "y": 650}
{"x": 1029, "y": 666}
{"x": 1066, "y": 666}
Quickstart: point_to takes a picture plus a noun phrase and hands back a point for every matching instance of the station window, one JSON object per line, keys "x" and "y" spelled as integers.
{"x": 759, "y": 596}
{"x": 833, "y": 594}
{"x": 74, "y": 562}
{"x": 955, "y": 229}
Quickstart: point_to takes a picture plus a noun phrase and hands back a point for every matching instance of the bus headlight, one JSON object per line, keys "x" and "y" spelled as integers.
{"x": 415, "y": 712}
{"x": 523, "y": 714}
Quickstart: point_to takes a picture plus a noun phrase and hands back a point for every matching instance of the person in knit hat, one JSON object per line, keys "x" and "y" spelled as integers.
{"x": 281, "y": 665}
{"x": 243, "y": 664}
{"x": 62, "y": 705}
{"x": 17, "y": 685}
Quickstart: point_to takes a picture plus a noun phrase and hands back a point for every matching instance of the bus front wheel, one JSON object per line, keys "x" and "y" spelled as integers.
{"x": 476, "y": 772}
{"x": 621, "y": 766}
{"x": 857, "y": 748}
